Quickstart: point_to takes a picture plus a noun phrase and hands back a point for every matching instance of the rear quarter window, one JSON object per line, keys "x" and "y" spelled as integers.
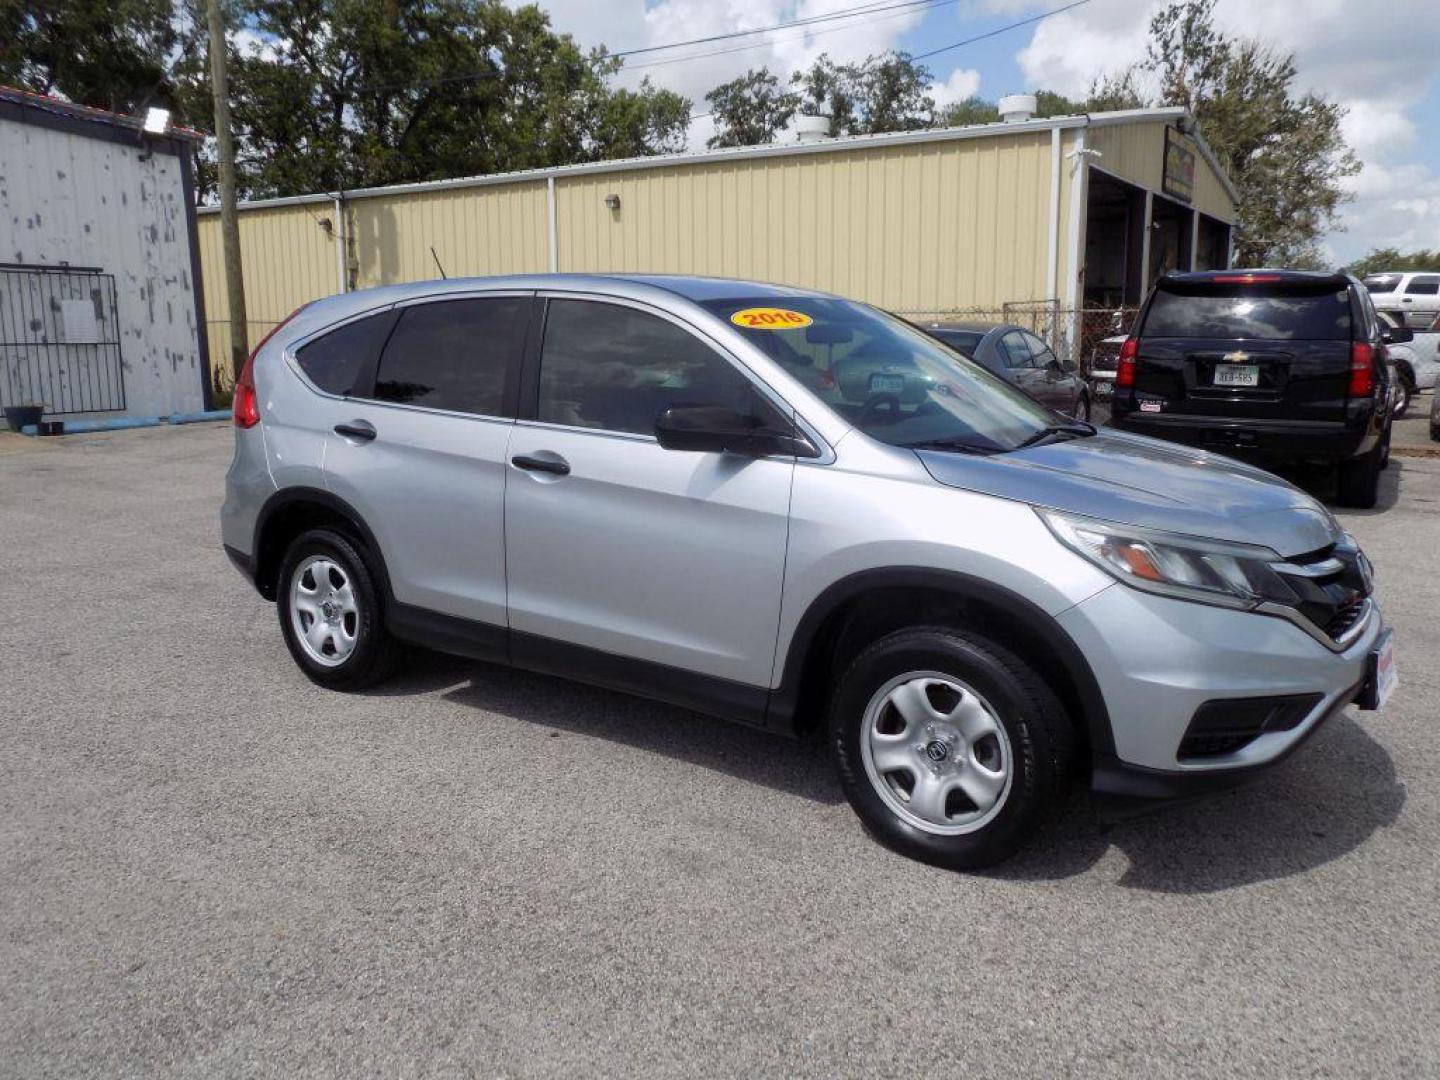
{"x": 1295, "y": 315}
{"x": 333, "y": 362}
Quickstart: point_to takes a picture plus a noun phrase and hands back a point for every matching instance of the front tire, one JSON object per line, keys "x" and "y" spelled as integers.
{"x": 330, "y": 613}
{"x": 950, "y": 748}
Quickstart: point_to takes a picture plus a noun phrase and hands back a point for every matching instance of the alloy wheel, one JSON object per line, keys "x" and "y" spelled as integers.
{"x": 323, "y": 610}
{"x": 936, "y": 753}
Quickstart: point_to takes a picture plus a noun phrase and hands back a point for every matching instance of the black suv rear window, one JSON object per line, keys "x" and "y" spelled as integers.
{"x": 1248, "y": 312}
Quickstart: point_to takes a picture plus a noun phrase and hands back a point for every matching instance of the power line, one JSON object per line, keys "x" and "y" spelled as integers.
{"x": 930, "y": 6}
{"x": 864, "y": 9}
{"x": 1001, "y": 30}
{"x": 859, "y": 13}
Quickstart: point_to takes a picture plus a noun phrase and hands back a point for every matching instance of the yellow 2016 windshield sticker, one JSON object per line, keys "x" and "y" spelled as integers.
{"x": 770, "y": 318}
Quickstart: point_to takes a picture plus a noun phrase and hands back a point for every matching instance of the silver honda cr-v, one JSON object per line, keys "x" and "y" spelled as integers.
{"x": 675, "y": 486}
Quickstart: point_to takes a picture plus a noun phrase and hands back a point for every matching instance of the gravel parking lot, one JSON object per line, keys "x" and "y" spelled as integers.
{"x": 210, "y": 867}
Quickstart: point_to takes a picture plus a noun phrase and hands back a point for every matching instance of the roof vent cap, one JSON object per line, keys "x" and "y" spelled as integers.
{"x": 811, "y": 129}
{"x": 1017, "y": 107}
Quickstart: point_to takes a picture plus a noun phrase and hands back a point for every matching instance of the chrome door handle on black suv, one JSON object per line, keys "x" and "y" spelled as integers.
{"x": 362, "y": 430}
{"x": 557, "y": 465}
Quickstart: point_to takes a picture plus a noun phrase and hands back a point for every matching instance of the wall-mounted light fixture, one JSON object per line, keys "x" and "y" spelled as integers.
{"x": 157, "y": 121}
{"x": 612, "y": 201}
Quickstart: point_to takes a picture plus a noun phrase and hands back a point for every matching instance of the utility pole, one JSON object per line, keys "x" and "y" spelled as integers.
{"x": 229, "y": 224}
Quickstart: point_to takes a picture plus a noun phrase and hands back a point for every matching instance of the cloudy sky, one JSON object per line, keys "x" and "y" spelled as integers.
{"x": 1385, "y": 69}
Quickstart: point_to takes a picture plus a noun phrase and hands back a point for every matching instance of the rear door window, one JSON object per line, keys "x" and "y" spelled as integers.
{"x": 1382, "y": 283}
{"x": 334, "y": 362}
{"x": 454, "y": 354}
{"x": 1017, "y": 351}
{"x": 1423, "y": 285}
{"x": 1295, "y": 314}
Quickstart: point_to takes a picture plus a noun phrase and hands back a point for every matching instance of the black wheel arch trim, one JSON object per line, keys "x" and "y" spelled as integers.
{"x": 292, "y": 496}
{"x": 785, "y": 699}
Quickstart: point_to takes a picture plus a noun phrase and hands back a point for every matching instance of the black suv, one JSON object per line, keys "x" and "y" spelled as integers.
{"x": 1278, "y": 365}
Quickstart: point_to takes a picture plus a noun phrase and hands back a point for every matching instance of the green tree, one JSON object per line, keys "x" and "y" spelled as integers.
{"x": 750, "y": 110}
{"x": 888, "y": 92}
{"x": 1382, "y": 259}
{"x": 349, "y": 93}
{"x": 111, "y": 54}
{"x": 1283, "y": 150}
{"x": 973, "y": 110}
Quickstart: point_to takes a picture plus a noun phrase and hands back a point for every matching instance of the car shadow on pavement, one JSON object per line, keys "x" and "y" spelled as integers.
{"x": 1318, "y": 806}
{"x": 758, "y": 757}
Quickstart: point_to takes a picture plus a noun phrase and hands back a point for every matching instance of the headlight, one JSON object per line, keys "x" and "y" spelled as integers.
{"x": 1185, "y": 567}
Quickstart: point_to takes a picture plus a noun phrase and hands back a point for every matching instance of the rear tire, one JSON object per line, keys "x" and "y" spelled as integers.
{"x": 950, "y": 748}
{"x": 1404, "y": 394}
{"x": 1358, "y": 480}
{"x": 330, "y": 613}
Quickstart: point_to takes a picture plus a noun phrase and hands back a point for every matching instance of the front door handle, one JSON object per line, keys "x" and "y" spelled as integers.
{"x": 361, "y": 430}
{"x": 557, "y": 465}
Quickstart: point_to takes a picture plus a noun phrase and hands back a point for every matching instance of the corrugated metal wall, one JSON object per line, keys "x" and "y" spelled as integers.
{"x": 493, "y": 229}
{"x": 288, "y": 258}
{"x": 921, "y": 227}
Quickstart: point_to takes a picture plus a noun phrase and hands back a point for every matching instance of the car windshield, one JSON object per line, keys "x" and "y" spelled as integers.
{"x": 889, "y": 379}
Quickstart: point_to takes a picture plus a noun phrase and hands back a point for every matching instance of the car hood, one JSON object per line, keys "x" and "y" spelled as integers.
{"x": 1136, "y": 480}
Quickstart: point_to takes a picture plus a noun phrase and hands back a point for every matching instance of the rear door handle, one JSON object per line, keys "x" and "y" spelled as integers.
{"x": 362, "y": 430}
{"x": 557, "y": 465}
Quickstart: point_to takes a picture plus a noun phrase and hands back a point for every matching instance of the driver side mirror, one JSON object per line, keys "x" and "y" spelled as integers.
{"x": 1397, "y": 335}
{"x": 719, "y": 429}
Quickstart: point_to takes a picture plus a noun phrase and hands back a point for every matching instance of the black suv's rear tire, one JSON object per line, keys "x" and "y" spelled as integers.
{"x": 950, "y": 748}
{"x": 330, "y": 612}
{"x": 1358, "y": 480}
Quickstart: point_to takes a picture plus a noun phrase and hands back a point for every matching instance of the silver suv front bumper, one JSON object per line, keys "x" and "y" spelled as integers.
{"x": 1158, "y": 660}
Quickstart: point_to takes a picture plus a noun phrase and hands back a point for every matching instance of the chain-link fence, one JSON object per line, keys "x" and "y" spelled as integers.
{"x": 1073, "y": 333}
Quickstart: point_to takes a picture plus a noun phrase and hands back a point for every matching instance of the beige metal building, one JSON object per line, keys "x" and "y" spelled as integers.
{"x": 957, "y": 219}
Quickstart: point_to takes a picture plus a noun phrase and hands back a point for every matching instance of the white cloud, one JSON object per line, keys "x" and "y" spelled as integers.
{"x": 1379, "y": 68}
{"x": 963, "y": 83}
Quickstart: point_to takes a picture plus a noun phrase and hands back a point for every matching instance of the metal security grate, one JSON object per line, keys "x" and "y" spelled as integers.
{"x": 60, "y": 340}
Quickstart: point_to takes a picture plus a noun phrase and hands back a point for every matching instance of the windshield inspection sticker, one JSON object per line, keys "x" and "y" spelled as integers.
{"x": 770, "y": 318}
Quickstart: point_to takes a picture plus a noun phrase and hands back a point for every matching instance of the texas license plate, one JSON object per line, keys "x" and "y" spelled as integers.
{"x": 1102, "y": 389}
{"x": 887, "y": 384}
{"x": 1237, "y": 374}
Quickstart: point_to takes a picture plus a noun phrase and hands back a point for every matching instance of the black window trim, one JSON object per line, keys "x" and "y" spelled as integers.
{"x": 528, "y": 408}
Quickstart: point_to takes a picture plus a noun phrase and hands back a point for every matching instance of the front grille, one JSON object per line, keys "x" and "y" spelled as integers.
{"x": 1346, "y": 618}
{"x": 1330, "y": 587}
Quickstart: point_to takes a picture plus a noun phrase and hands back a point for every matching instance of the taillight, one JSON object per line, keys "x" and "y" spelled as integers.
{"x": 247, "y": 403}
{"x": 1125, "y": 367}
{"x": 247, "y": 407}
{"x": 1362, "y": 369}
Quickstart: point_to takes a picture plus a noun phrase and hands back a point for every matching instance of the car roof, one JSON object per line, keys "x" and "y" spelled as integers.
{"x": 967, "y": 326}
